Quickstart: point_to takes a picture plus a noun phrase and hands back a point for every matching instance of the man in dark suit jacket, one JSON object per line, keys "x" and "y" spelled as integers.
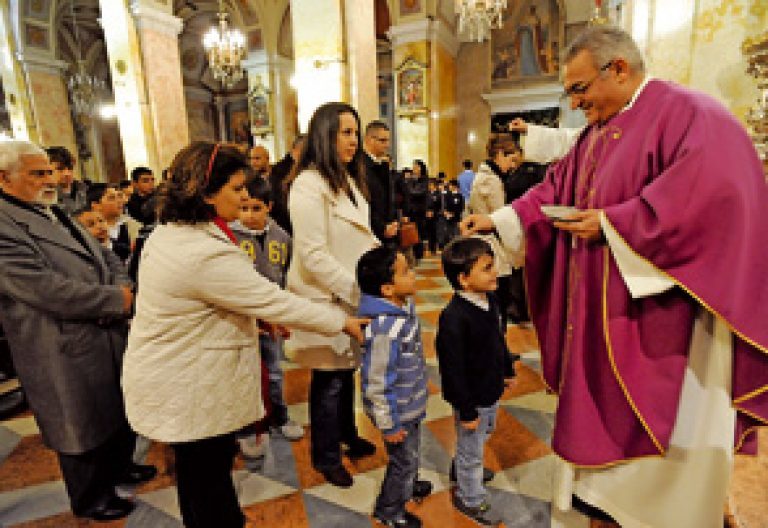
{"x": 63, "y": 305}
{"x": 277, "y": 176}
{"x": 380, "y": 184}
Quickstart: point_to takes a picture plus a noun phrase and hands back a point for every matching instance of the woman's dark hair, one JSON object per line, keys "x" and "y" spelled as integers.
{"x": 320, "y": 151}
{"x": 501, "y": 142}
{"x": 181, "y": 198}
{"x": 460, "y": 255}
{"x": 423, "y": 167}
{"x": 375, "y": 269}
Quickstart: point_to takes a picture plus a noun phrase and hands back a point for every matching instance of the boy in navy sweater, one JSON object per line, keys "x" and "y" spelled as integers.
{"x": 394, "y": 378}
{"x": 270, "y": 249}
{"x": 475, "y": 366}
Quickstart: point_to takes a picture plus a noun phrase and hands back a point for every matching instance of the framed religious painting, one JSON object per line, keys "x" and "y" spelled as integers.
{"x": 411, "y": 88}
{"x": 410, "y": 7}
{"x": 259, "y": 104}
{"x": 527, "y": 47}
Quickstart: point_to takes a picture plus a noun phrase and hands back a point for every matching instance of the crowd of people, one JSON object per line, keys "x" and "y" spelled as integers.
{"x": 165, "y": 311}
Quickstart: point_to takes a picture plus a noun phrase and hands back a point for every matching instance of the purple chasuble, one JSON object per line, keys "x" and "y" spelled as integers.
{"x": 680, "y": 181}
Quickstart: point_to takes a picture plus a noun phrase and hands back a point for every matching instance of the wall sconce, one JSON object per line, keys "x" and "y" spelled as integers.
{"x": 324, "y": 63}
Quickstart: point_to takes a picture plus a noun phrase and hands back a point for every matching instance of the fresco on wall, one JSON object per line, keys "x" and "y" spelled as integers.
{"x": 528, "y": 45}
{"x": 410, "y": 7}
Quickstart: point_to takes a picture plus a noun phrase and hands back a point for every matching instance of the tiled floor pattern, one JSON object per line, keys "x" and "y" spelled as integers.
{"x": 287, "y": 492}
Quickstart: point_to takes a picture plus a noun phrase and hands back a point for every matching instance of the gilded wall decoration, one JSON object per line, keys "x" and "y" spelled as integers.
{"x": 528, "y": 45}
{"x": 36, "y": 36}
{"x": 37, "y": 10}
{"x": 410, "y": 7}
{"x": 411, "y": 88}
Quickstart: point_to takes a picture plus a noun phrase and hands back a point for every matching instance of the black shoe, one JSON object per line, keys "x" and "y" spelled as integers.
{"x": 136, "y": 474}
{"x": 421, "y": 489}
{"x": 481, "y": 514}
{"x": 109, "y": 509}
{"x": 487, "y": 473}
{"x": 588, "y": 510}
{"x": 338, "y": 476}
{"x": 360, "y": 448}
{"x": 408, "y": 520}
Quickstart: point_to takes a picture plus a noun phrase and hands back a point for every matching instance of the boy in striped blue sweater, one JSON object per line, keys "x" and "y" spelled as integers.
{"x": 394, "y": 378}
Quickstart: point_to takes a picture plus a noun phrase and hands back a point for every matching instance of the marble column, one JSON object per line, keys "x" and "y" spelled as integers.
{"x": 48, "y": 96}
{"x": 158, "y": 37}
{"x": 360, "y": 33}
{"x": 318, "y": 44}
{"x": 430, "y": 137}
{"x": 134, "y": 112}
{"x": 14, "y": 82}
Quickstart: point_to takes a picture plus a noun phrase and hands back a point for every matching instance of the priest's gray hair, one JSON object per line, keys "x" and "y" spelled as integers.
{"x": 606, "y": 43}
{"x": 11, "y": 151}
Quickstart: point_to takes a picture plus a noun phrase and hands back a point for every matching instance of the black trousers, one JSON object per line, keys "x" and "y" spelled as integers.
{"x": 207, "y": 496}
{"x": 90, "y": 477}
{"x": 331, "y": 415}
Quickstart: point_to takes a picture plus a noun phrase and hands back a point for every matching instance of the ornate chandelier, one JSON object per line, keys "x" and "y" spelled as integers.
{"x": 83, "y": 87}
{"x": 478, "y": 17}
{"x": 225, "y": 48}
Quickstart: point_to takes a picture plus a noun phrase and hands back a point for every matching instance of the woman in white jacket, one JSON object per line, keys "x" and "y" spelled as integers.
{"x": 487, "y": 196}
{"x": 191, "y": 374}
{"x": 331, "y": 231}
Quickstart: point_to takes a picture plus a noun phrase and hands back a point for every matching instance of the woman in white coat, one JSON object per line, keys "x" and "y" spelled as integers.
{"x": 487, "y": 196}
{"x": 331, "y": 231}
{"x": 191, "y": 374}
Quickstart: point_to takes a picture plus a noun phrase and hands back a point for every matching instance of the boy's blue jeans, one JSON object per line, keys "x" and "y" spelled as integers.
{"x": 271, "y": 354}
{"x": 469, "y": 456}
{"x": 402, "y": 469}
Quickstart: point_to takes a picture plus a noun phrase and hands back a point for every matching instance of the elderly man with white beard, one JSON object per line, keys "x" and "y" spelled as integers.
{"x": 64, "y": 305}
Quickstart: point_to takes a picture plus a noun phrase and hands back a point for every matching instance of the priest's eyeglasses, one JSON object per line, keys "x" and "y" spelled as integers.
{"x": 580, "y": 88}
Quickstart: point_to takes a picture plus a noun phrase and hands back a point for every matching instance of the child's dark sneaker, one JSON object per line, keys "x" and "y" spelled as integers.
{"x": 421, "y": 490}
{"x": 480, "y": 514}
{"x": 408, "y": 520}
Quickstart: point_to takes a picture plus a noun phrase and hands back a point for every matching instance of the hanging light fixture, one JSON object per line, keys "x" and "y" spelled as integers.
{"x": 83, "y": 87}
{"x": 478, "y": 17}
{"x": 225, "y": 48}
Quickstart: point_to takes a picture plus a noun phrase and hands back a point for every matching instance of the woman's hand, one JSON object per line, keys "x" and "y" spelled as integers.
{"x": 353, "y": 327}
{"x": 476, "y": 223}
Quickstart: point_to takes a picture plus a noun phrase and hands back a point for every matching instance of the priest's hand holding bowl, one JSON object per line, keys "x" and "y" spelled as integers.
{"x": 476, "y": 223}
{"x": 582, "y": 224}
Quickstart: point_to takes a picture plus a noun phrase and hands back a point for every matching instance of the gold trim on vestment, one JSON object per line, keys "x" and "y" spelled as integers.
{"x": 607, "y": 464}
{"x": 609, "y": 348}
{"x": 735, "y": 401}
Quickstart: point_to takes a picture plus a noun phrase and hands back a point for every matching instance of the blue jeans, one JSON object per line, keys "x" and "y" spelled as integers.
{"x": 469, "y": 456}
{"x": 402, "y": 469}
{"x": 271, "y": 354}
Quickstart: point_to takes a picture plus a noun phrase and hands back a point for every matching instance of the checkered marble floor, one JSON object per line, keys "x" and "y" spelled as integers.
{"x": 287, "y": 492}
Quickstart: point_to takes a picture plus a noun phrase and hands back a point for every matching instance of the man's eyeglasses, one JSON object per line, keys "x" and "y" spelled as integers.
{"x": 580, "y": 88}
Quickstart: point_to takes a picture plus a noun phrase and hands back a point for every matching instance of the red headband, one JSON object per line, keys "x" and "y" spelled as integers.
{"x": 210, "y": 163}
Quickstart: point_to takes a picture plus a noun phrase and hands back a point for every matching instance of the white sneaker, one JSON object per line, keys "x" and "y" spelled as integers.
{"x": 291, "y": 430}
{"x": 253, "y": 446}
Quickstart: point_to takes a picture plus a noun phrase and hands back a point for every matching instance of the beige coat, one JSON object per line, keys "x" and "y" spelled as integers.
{"x": 192, "y": 367}
{"x": 330, "y": 234}
{"x": 486, "y": 197}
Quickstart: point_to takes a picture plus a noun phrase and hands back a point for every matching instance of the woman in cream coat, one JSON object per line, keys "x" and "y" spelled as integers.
{"x": 331, "y": 230}
{"x": 191, "y": 374}
{"x": 487, "y": 196}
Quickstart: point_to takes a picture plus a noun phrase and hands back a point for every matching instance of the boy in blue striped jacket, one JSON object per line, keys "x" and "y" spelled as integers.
{"x": 394, "y": 378}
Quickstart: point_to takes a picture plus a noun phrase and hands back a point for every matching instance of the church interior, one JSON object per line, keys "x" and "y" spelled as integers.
{"x": 128, "y": 83}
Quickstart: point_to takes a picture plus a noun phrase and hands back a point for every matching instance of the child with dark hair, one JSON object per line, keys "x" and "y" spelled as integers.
{"x": 454, "y": 207}
{"x": 393, "y": 378}
{"x": 269, "y": 247}
{"x": 475, "y": 366}
{"x": 103, "y": 198}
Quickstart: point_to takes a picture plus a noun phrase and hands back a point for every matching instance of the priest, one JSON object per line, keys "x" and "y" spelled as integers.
{"x": 650, "y": 298}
